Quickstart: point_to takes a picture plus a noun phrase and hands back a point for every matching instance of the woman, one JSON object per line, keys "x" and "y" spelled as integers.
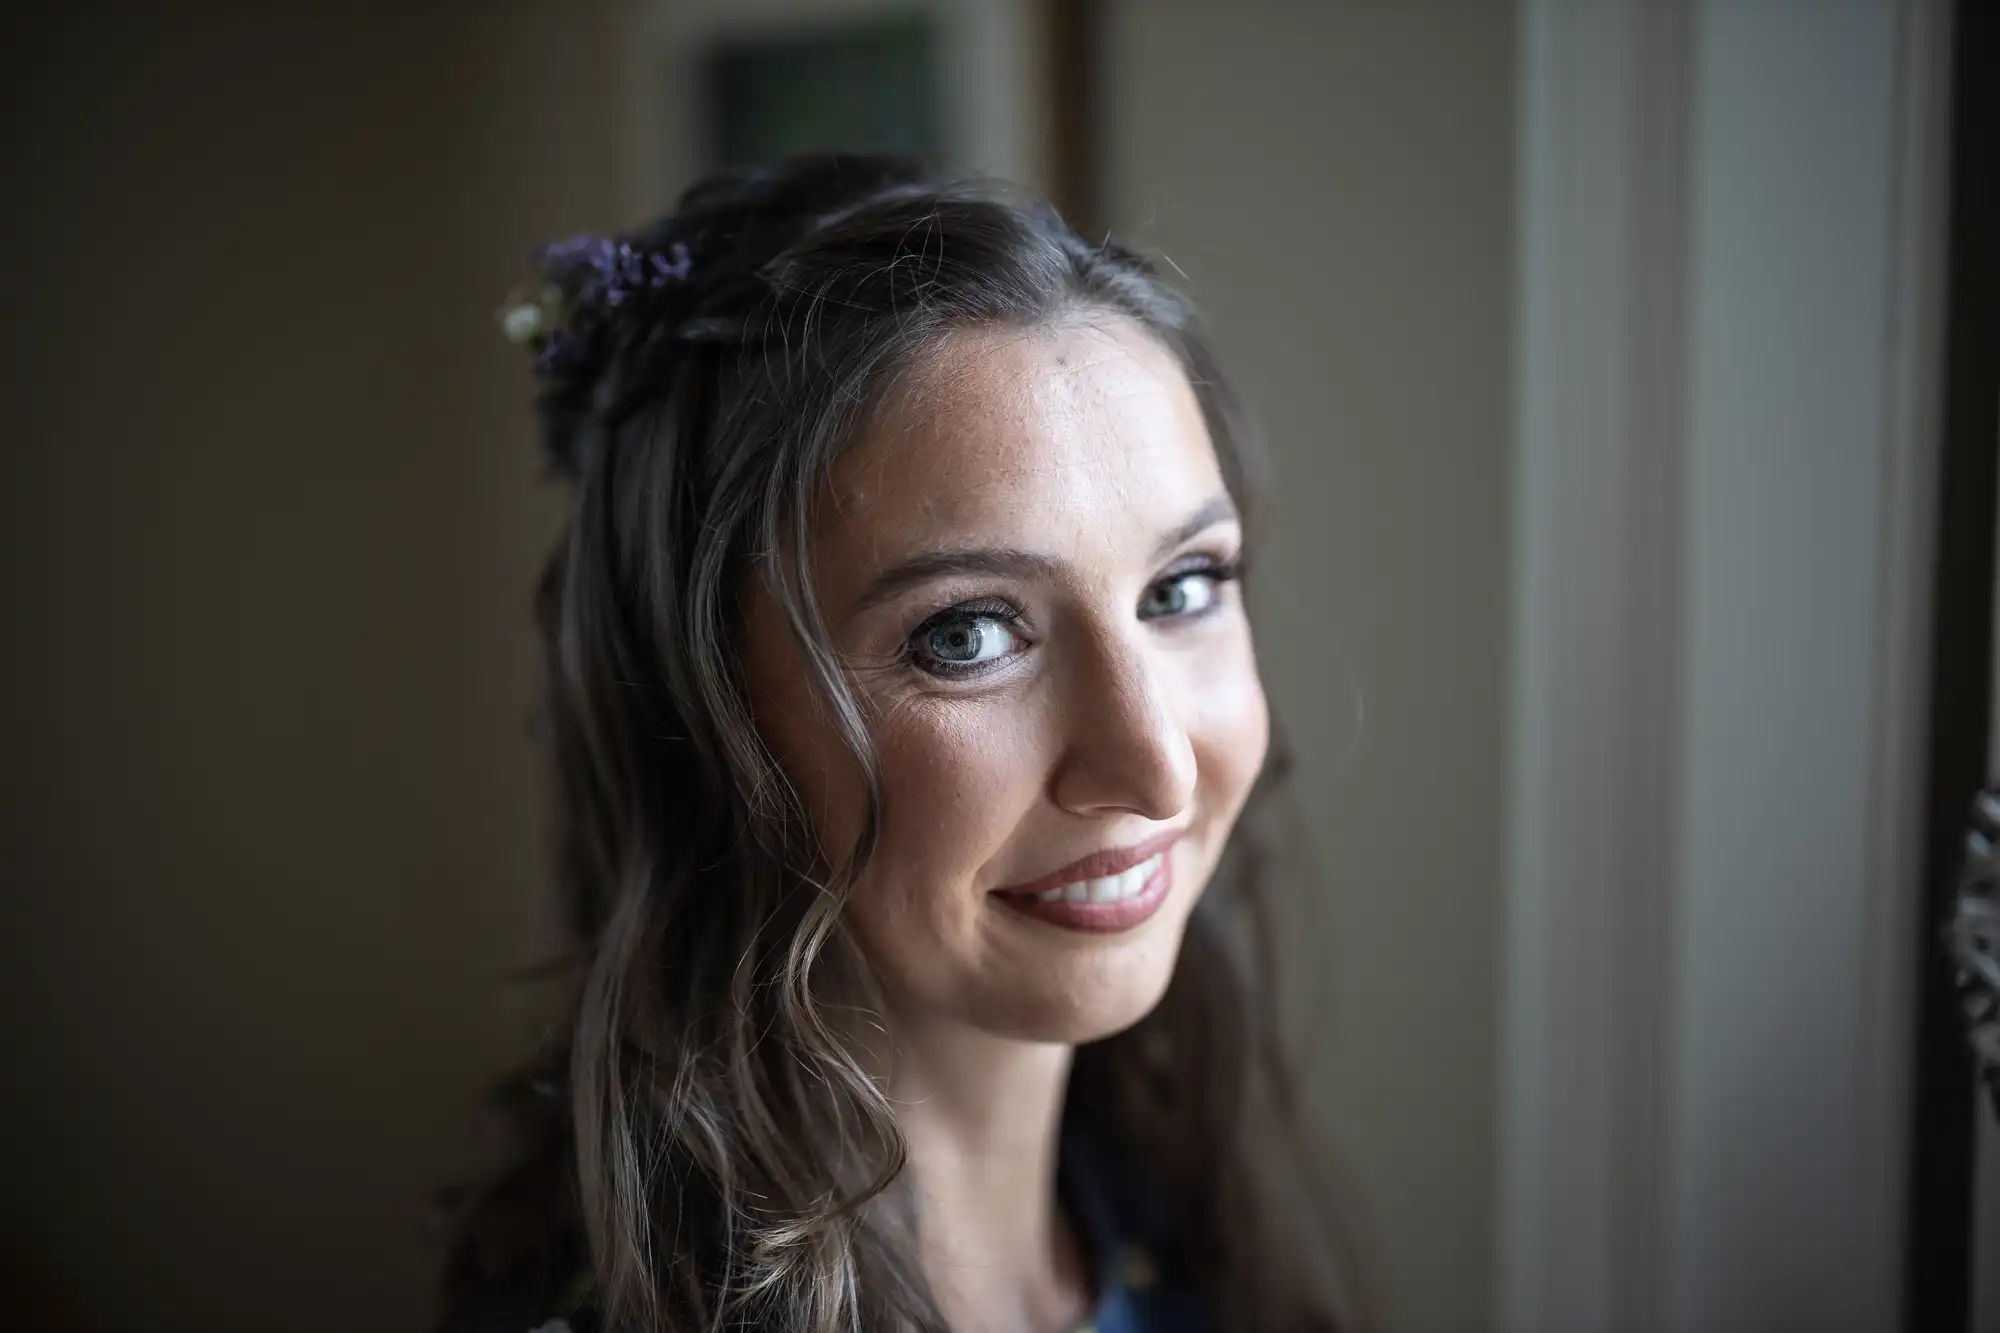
{"x": 903, "y": 706}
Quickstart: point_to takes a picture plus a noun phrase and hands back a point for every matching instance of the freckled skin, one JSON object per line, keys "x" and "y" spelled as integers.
{"x": 1096, "y": 728}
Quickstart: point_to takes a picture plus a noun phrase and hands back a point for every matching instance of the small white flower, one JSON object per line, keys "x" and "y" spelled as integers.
{"x": 530, "y": 313}
{"x": 522, "y": 323}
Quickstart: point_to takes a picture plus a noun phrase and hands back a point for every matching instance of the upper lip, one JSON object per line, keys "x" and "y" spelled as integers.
{"x": 1098, "y": 865}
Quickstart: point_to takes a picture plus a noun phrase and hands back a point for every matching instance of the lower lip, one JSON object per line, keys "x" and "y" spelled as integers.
{"x": 1100, "y": 918}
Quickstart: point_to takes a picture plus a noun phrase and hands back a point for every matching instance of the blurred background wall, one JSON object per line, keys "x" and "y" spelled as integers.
{"x": 1337, "y": 184}
{"x": 270, "y": 522}
{"x": 271, "y": 518}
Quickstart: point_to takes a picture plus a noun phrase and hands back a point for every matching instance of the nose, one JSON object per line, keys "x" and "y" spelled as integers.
{"x": 1126, "y": 750}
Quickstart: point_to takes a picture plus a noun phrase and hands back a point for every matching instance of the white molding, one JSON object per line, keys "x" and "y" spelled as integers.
{"x": 1811, "y": 443}
{"x": 1730, "y": 247}
{"x": 1911, "y": 442}
{"x": 1595, "y": 693}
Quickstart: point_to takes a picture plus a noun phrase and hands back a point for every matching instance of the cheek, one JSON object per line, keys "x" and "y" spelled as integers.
{"x": 1229, "y": 728}
{"x": 956, "y": 783}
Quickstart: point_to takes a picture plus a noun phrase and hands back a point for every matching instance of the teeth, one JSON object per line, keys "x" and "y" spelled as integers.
{"x": 1108, "y": 889}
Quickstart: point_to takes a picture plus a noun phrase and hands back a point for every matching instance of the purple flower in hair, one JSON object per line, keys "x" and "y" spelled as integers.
{"x": 585, "y": 279}
{"x": 607, "y": 271}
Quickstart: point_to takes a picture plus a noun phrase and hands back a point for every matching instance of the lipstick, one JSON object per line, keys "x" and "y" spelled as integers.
{"x": 1106, "y": 892}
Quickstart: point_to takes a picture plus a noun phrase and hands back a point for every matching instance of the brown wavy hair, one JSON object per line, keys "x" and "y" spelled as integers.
{"x": 706, "y": 1141}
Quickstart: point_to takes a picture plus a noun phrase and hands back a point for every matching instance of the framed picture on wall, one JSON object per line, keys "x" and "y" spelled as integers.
{"x": 867, "y": 84}
{"x": 961, "y": 83}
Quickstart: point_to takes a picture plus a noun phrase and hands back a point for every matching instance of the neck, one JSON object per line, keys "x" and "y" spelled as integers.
{"x": 982, "y": 1115}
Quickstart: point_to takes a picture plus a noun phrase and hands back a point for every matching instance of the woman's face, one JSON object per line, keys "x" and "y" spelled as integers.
{"x": 1027, "y": 566}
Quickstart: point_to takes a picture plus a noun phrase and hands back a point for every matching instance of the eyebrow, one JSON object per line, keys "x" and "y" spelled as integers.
{"x": 1216, "y": 509}
{"x": 1012, "y": 562}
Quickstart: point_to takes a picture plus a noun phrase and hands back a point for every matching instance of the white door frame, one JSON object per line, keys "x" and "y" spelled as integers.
{"x": 1730, "y": 232}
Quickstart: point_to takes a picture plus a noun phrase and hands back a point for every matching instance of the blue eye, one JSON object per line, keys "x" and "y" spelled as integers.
{"x": 1186, "y": 594}
{"x": 955, "y": 641}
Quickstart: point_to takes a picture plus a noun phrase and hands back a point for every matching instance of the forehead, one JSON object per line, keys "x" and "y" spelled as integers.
{"x": 1026, "y": 437}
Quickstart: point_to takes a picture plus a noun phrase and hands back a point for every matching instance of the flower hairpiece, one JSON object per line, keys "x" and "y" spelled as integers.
{"x": 584, "y": 279}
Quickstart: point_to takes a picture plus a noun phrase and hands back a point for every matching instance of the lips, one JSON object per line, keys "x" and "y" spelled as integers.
{"x": 1098, "y": 865}
{"x": 1107, "y": 891}
{"x": 1104, "y": 888}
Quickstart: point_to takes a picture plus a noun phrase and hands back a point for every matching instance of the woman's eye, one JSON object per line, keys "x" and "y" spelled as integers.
{"x": 960, "y": 641}
{"x": 1181, "y": 595}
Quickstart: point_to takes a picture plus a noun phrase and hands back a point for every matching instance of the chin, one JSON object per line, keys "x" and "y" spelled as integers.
{"x": 1097, "y": 999}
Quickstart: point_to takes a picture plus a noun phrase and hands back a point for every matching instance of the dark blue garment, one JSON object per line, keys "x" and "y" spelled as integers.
{"x": 1125, "y": 1224}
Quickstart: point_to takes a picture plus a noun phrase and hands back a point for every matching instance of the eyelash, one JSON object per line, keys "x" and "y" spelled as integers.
{"x": 1217, "y": 572}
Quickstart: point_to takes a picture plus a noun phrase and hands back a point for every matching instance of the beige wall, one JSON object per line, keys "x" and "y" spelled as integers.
{"x": 1336, "y": 181}
{"x": 269, "y": 526}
